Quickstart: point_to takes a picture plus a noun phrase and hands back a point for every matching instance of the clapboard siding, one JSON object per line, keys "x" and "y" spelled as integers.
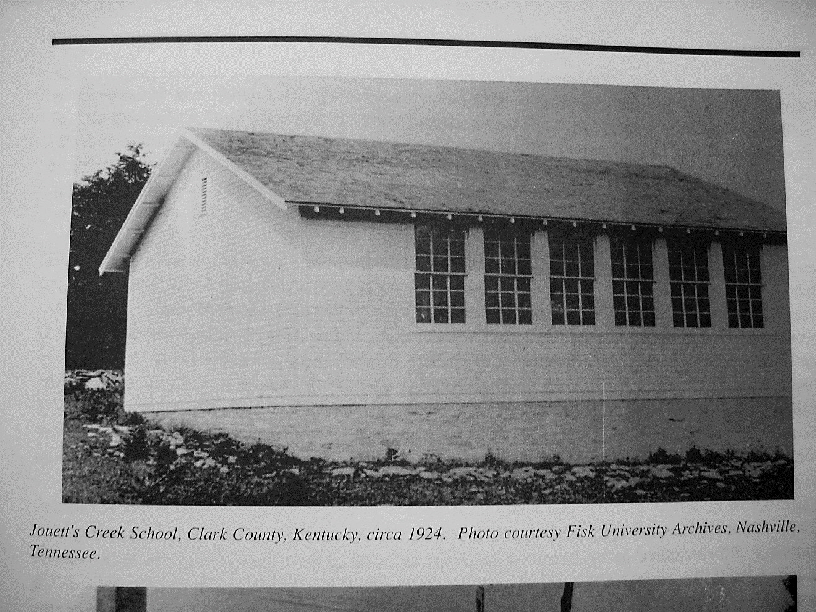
{"x": 212, "y": 309}
{"x": 252, "y": 305}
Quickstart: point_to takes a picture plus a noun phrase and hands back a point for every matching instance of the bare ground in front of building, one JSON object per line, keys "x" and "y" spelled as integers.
{"x": 110, "y": 456}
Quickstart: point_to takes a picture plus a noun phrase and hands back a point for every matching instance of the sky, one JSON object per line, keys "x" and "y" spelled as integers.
{"x": 730, "y": 137}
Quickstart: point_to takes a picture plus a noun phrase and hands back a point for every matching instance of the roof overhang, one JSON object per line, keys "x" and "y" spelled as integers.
{"x": 327, "y": 211}
{"x": 154, "y": 192}
{"x": 150, "y": 199}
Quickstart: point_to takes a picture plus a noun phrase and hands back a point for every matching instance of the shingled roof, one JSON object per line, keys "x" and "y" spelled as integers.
{"x": 308, "y": 169}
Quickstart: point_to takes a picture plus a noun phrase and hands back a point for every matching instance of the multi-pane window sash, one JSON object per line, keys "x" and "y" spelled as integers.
{"x": 633, "y": 281}
{"x": 743, "y": 285}
{"x": 688, "y": 276}
{"x": 572, "y": 279}
{"x": 508, "y": 273}
{"x": 440, "y": 274}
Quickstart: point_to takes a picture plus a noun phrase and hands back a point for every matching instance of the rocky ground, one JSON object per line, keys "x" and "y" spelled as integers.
{"x": 114, "y": 457}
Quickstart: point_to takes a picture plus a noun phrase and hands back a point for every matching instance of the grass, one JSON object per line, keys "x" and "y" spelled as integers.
{"x": 114, "y": 457}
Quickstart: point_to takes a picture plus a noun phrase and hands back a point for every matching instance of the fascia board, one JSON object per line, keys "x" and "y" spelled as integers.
{"x": 152, "y": 197}
{"x": 145, "y": 207}
{"x": 262, "y": 189}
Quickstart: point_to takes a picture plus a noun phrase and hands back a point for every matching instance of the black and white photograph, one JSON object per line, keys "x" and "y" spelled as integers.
{"x": 309, "y": 291}
{"x": 740, "y": 594}
{"x": 351, "y": 307}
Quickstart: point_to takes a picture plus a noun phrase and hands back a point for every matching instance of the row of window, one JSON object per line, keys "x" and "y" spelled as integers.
{"x": 440, "y": 279}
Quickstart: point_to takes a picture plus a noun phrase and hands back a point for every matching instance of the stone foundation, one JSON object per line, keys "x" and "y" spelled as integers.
{"x": 577, "y": 432}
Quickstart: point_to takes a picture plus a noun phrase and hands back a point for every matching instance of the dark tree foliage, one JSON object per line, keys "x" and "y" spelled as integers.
{"x": 97, "y": 306}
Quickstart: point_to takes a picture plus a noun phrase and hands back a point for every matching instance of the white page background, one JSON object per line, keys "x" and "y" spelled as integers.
{"x": 38, "y": 131}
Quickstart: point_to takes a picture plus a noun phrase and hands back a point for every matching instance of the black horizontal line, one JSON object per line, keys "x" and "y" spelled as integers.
{"x": 426, "y": 42}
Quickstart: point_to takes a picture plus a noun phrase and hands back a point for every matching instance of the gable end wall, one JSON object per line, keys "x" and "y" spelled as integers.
{"x": 210, "y": 309}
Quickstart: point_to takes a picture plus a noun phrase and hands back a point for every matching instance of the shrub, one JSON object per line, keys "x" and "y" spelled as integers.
{"x": 393, "y": 456}
{"x": 100, "y": 406}
{"x": 693, "y": 455}
{"x": 185, "y": 484}
{"x": 165, "y": 456}
{"x": 137, "y": 447}
{"x": 492, "y": 461}
{"x": 663, "y": 457}
{"x": 130, "y": 419}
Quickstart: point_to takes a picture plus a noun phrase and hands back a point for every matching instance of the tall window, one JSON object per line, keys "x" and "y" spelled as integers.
{"x": 507, "y": 277}
{"x": 743, "y": 285}
{"x": 440, "y": 274}
{"x": 632, "y": 281}
{"x": 688, "y": 275}
{"x": 572, "y": 279}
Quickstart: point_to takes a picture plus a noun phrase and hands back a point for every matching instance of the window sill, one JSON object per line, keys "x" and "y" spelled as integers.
{"x": 563, "y": 330}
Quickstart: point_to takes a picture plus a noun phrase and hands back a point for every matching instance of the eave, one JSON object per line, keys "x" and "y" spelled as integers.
{"x": 145, "y": 208}
{"x": 328, "y": 211}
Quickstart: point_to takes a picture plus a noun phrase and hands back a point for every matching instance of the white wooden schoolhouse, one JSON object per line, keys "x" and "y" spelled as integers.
{"x": 360, "y": 296}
